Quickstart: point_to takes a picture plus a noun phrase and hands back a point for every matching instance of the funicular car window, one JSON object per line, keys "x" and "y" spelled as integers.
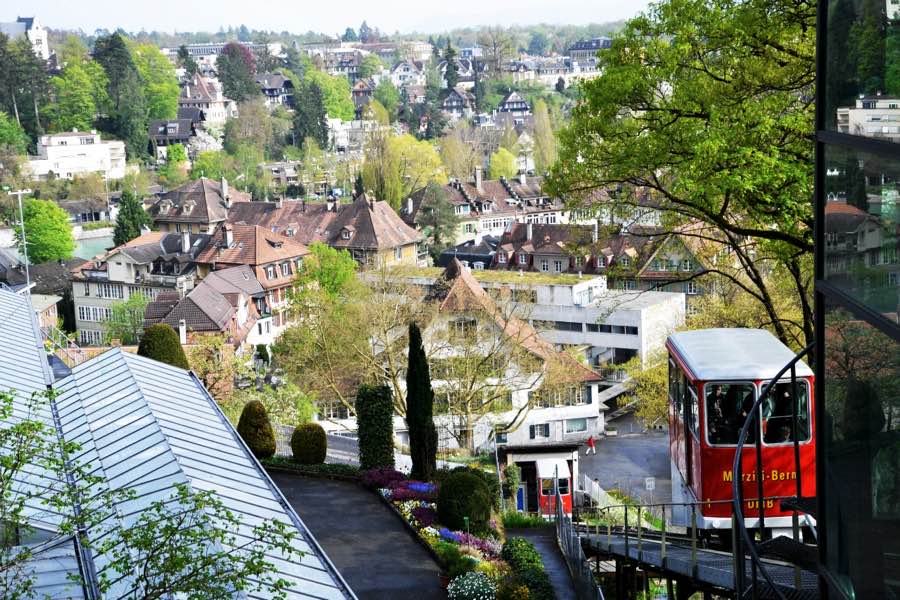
{"x": 778, "y": 421}
{"x": 547, "y": 487}
{"x": 676, "y": 386}
{"x": 727, "y": 406}
{"x": 695, "y": 412}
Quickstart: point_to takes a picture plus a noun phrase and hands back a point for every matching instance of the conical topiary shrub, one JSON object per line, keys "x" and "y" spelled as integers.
{"x": 256, "y": 430}
{"x": 160, "y": 342}
{"x": 309, "y": 444}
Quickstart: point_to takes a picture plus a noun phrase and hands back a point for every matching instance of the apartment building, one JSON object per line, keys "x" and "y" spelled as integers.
{"x": 875, "y": 115}
{"x": 77, "y": 153}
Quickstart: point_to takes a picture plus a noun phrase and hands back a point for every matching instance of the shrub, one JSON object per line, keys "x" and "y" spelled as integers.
{"x": 513, "y": 589}
{"x": 497, "y": 570}
{"x": 256, "y": 430}
{"x": 385, "y": 477}
{"x": 342, "y": 470}
{"x": 472, "y": 586}
{"x": 517, "y": 520}
{"x": 489, "y": 479}
{"x": 309, "y": 444}
{"x": 160, "y": 342}
{"x": 525, "y": 562}
{"x": 375, "y": 419}
{"x": 464, "y": 495}
{"x": 455, "y": 564}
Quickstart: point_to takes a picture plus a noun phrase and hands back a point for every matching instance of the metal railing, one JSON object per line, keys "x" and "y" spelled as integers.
{"x": 586, "y": 587}
{"x": 58, "y": 343}
{"x": 742, "y": 537}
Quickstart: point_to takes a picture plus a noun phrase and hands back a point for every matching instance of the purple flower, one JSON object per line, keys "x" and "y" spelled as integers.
{"x": 385, "y": 477}
{"x": 488, "y": 547}
{"x": 425, "y": 516}
{"x": 421, "y": 487}
{"x": 449, "y": 535}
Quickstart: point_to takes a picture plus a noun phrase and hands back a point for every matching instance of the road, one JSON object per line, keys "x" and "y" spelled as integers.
{"x": 367, "y": 543}
{"x": 624, "y": 461}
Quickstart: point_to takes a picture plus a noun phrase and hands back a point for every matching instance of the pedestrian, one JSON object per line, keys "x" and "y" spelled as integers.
{"x": 591, "y": 446}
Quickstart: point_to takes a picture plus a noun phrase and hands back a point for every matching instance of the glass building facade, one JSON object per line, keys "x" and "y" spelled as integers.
{"x": 857, "y": 300}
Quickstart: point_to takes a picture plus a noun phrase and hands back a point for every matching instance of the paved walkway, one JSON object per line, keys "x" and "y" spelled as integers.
{"x": 544, "y": 539}
{"x": 367, "y": 543}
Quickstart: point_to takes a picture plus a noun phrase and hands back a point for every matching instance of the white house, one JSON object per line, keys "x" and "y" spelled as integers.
{"x": 31, "y": 28}
{"x": 66, "y": 155}
{"x": 872, "y": 116}
{"x": 206, "y": 94}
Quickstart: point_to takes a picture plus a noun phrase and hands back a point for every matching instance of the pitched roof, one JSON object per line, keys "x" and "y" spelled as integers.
{"x": 306, "y": 222}
{"x": 204, "y": 309}
{"x": 198, "y": 201}
{"x": 191, "y": 113}
{"x": 273, "y": 81}
{"x": 372, "y": 225}
{"x": 200, "y": 89}
{"x": 467, "y": 295}
{"x": 182, "y": 128}
{"x": 251, "y": 245}
{"x": 240, "y": 279}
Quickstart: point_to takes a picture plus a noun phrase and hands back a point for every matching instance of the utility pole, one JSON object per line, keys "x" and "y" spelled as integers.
{"x": 19, "y": 194}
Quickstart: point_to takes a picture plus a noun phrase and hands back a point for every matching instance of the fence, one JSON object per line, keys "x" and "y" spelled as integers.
{"x": 570, "y": 543}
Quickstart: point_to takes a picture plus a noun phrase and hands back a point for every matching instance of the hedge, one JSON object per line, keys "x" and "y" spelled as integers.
{"x": 375, "y": 426}
{"x": 160, "y": 342}
{"x": 256, "y": 430}
{"x": 309, "y": 444}
{"x": 528, "y": 568}
{"x": 464, "y": 494}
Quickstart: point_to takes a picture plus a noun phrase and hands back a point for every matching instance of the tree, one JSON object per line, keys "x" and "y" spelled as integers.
{"x": 708, "y": 110}
{"x": 349, "y": 35}
{"x": 335, "y": 94}
{"x": 649, "y": 379}
{"x": 503, "y": 164}
{"x": 398, "y": 165}
{"x": 437, "y": 219}
{"x": 126, "y": 321}
{"x": 159, "y": 81}
{"x": 12, "y": 135}
{"x": 236, "y": 69}
{"x": 369, "y": 66}
{"x": 174, "y": 172}
{"x": 538, "y": 44}
{"x": 30, "y": 79}
{"x": 560, "y": 85}
{"x": 48, "y": 234}
{"x": 461, "y": 150}
{"x": 310, "y": 116}
{"x": 375, "y": 423}
{"x": 366, "y": 33}
{"x": 375, "y": 111}
{"x": 187, "y": 62}
{"x": 265, "y": 61}
{"x": 451, "y": 72}
{"x": 160, "y": 342}
{"x": 130, "y": 221}
{"x": 128, "y": 114}
{"x": 253, "y": 126}
{"x": 388, "y": 96}
{"x": 211, "y": 164}
{"x": 498, "y": 46}
{"x": 75, "y": 106}
{"x": 420, "y": 409}
{"x": 544, "y": 138}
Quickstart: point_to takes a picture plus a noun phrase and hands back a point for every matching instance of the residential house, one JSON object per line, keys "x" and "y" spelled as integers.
{"x": 538, "y": 394}
{"x": 46, "y": 309}
{"x": 206, "y": 94}
{"x": 514, "y": 103}
{"x": 194, "y": 114}
{"x": 32, "y": 29}
{"x": 344, "y": 62}
{"x": 195, "y": 207}
{"x": 148, "y": 265}
{"x": 465, "y": 68}
{"x": 369, "y": 229}
{"x": 407, "y": 72}
{"x": 587, "y": 49}
{"x": 277, "y": 89}
{"x": 459, "y": 104}
{"x": 414, "y": 93}
{"x": 274, "y": 258}
{"x": 206, "y": 53}
{"x": 876, "y": 116}
{"x": 477, "y": 253}
{"x": 65, "y": 155}
{"x": 167, "y": 132}
{"x": 229, "y": 302}
{"x": 361, "y": 92}
{"x": 88, "y": 210}
{"x": 142, "y": 424}
{"x": 389, "y": 51}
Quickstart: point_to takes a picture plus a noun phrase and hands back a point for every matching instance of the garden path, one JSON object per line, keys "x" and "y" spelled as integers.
{"x": 544, "y": 539}
{"x": 369, "y": 545}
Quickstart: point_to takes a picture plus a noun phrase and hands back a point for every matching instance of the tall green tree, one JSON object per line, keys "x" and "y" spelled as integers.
{"x": 538, "y": 44}
{"x": 237, "y": 68}
{"x": 544, "y": 138}
{"x": 131, "y": 218}
{"x": 709, "y": 107}
{"x": 160, "y": 83}
{"x": 160, "y": 342}
{"x": 437, "y": 219}
{"x": 451, "y": 72}
{"x": 335, "y": 94}
{"x": 128, "y": 116}
{"x": 369, "y": 66}
{"x": 388, "y": 96}
{"x": 423, "y": 437}
{"x": 396, "y": 166}
{"x": 349, "y": 35}
{"x": 126, "y": 320}
{"x": 187, "y": 62}
{"x": 75, "y": 106}
{"x": 12, "y": 135}
{"x": 48, "y": 234}
{"x": 310, "y": 116}
{"x": 503, "y": 164}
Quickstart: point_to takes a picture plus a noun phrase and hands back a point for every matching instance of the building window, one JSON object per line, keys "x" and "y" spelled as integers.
{"x": 629, "y": 284}
{"x": 463, "y": 329}
{"x": 691, "y": 288}
{"x": 469, "y": 228}
{"x": 557, "y": 266}
{"x": 625, "y": 261}
{"x": 502, "y": 438}
{"x": 545, "y": 265}
{"x": 540, "y": 430}
{"x": 523, "y": 258}
{"x": 87, "y": 289}
{"x": 285, "y": 269}
{"x": 593, "y": 327}
{"x": 501, "y": 258}
{"x": 177, "y": 227}
{"x": 579, "y": 261}
{"x": 478, "y": 265}
{"x": 270, "y": 272}
{"x": 576, "y": 425}
{"x": 398, "y": 253}
{"x": 110, "y": 291}
{"x": 90, "y": 337}
{"x": 345, "y": 234}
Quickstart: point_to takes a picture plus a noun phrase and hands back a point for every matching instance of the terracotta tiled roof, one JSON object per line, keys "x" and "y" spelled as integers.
{"x": 372, "y": 225}
{"x": 255, "y": 247}
{"x": 198, "y": 201}
{"x": 305, "y": 222}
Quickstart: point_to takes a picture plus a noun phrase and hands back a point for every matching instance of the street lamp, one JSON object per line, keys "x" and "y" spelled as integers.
{"x": 19, "y": 194}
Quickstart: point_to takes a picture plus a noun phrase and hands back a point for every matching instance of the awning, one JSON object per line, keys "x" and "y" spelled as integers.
{"x": 547, "y": 468}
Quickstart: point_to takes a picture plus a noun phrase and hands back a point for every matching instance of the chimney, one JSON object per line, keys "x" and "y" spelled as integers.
{"x": 529, "y": 231}
{"x": 409, "y": 206}
{"x": 279, "y": 202}
{"x": 185, "y": 242}
{"x": 478, "y": 177}
{"x": 303, "y": 206}
{"x": 229, "y": 235}
{"x": 328, "y": 205}
{"x": 187, "y": 91}
{"x": 522, "y": 179}
{"x": 225, "y": 195}
{"x": 596, "y": 234}
{"x": 182, "y": 332}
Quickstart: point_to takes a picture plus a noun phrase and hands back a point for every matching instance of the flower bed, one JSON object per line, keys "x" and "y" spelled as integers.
{"x": 473, "y": 562}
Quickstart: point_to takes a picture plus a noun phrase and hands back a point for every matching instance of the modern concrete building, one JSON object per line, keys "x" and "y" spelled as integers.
{"x": 65, "y": 155}
{"x": 876, "y": 116}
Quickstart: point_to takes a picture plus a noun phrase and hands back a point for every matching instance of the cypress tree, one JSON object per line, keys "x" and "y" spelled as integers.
{"x": 420, "y": 409}
{"x": 131, "y": 218}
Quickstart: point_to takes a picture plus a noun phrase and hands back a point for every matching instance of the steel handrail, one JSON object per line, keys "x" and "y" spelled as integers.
{"x": 737, "y": 469}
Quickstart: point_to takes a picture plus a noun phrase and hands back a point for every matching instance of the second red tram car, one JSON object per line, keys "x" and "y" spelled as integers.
{"x": 715, "y": 375}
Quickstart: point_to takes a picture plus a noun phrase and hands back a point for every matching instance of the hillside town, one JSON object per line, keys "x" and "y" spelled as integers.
{"x": 462, "y": 314}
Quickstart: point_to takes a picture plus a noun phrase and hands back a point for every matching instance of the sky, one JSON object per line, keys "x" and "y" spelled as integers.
{"x": 299, "y": 16}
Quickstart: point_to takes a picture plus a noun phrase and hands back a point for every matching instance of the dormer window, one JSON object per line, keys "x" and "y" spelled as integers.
{"x": 625, "y": 261}
{"x": 285, "y": 269}
{"x": 270, "y": 272}
{"x": 345, "y": 234}
{"x": 523, "y": 258}
{"x": 165, "y": 206}
{"x": 501, "y": 258}
{"x": 188, "y": 207}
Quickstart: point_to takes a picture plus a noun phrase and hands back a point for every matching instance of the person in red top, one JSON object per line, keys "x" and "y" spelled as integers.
{"x": 591, "y": 446}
